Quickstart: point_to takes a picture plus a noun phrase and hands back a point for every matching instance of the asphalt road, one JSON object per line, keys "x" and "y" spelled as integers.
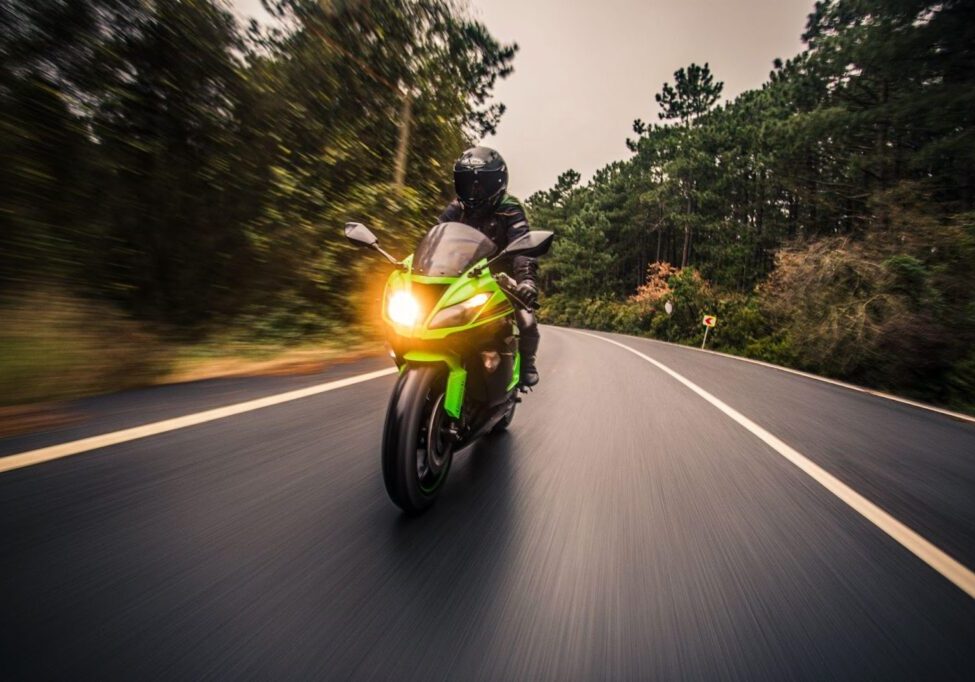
{"x": 624, "y": 528}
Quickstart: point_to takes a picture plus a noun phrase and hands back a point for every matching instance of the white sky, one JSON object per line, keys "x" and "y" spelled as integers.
{"x": 585, "y": 69}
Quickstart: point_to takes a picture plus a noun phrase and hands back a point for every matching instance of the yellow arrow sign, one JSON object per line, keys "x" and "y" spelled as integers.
{"x": 709, "y": 320}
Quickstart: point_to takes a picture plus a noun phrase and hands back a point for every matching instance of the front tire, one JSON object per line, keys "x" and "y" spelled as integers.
{"x": 417, "y": 449}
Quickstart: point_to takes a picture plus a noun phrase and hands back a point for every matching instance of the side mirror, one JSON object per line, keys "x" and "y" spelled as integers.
{"x": 360, "y": 235}
{"x": 535, "y": 243}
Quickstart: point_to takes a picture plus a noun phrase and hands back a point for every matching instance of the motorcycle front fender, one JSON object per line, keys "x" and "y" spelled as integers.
{"x": 456, "y": 378}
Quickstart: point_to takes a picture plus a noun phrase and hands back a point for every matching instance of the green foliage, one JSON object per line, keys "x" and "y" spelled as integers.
{"x": 691, "y": 298}
{"x": 595, "y": 313}
{"x": 159, "y": 157}
{"x": 828, "y": 214}
{"x": 693, "y": 93}
{"x": 576, "y": 263}
{"x": 959, "y": 385}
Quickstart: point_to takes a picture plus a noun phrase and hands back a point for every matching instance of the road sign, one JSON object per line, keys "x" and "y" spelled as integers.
{"x": 669, "y": 307}
{"x": 708, "y": 322}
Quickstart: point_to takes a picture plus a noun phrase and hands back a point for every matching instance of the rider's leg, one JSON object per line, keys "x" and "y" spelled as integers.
{"x": 527, "y": 346}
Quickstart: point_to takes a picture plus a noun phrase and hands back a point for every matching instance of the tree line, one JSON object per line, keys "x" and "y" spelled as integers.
{"x": 194, "y": 172}
{"x": 827, "y": 218}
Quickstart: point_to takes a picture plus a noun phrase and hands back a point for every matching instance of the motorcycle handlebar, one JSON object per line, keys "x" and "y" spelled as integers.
{"x": 507, "y": 284}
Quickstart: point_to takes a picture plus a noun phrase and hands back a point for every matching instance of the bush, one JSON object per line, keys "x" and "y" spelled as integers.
{"x": 893, "y": 310}
{"x": 960, "y": 384}
{"x": 595, "y": 313}
{"x": 743, "y": 328}
{"x": 53, "y": 345}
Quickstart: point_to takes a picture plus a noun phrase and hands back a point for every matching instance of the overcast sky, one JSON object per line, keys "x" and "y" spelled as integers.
{"x": 586, "y": 68}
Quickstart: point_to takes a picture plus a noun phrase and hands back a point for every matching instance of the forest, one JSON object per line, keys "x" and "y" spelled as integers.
{"x": 827, "y": 218}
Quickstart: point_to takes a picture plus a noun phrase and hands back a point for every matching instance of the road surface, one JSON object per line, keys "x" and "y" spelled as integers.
{"x": 624, "y": 528}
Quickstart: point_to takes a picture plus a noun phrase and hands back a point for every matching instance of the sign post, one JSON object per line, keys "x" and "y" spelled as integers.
{"x": 708, "y": 322}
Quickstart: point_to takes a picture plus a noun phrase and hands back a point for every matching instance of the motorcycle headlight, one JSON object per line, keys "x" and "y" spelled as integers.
{"x": 403, "y": 309}
{"x": 460, "y": 313}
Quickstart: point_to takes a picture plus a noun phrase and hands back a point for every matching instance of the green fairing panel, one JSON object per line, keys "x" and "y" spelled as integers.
{"x": 452, "y": 361}
{"x": 515, "y": 371}
{"x": 456, "y": 378}
{"x": 454, "y": 399}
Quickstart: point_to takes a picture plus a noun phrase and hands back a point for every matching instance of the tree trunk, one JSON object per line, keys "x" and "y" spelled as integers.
{"x": 687, "y": 246}
{"x": 403, "y": 144}
{"x": 687, "y": 234}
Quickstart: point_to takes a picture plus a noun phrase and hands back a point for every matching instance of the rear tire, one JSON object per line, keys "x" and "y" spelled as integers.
{"x": 416, "y": 453}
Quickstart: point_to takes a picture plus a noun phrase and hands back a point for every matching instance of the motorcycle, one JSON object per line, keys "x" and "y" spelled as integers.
{"x": 451, "y": 331}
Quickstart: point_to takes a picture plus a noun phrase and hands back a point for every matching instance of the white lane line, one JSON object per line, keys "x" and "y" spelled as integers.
{"x": 842, "y": 384}
{"x": 31, "y": 457}
{"x": 961, "y": 576}
{"x": 826, "y": 380}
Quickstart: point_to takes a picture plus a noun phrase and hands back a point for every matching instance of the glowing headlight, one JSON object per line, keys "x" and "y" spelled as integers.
{"x": 460, "y": 313}
{"x": 403, "y": 309}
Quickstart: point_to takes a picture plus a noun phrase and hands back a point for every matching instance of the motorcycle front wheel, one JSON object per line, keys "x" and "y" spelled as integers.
{"x": 417, "y": 447}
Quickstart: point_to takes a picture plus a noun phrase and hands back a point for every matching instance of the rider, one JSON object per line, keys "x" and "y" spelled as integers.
{"x": 481, "y": 181}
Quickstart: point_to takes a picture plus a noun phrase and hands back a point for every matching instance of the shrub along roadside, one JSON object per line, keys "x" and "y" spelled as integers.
{"x": 54, "y": 346}
{"x": 859, "y": 312}
{"x": 57, "y": 346}
{"x": 741, "y": 329}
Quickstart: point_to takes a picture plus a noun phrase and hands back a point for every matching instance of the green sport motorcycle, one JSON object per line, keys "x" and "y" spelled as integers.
{"x": 452, "y": 333}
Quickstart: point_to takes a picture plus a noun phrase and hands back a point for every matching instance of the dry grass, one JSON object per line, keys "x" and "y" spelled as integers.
{"x": 56, "y": 347}
{"x": 253, "y": 360}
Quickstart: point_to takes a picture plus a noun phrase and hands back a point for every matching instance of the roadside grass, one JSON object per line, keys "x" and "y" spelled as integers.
{"x": 56, "y": 347}
{"x": 215, "y": 358}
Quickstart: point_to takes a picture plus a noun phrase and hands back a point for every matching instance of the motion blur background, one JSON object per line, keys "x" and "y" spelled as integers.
{"x": 173, "y": 178}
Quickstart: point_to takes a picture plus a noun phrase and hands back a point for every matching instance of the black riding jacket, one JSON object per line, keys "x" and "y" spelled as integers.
{"x": 502, "y": 226}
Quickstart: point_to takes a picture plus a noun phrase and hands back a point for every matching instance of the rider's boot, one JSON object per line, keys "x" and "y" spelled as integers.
{"x": 528, "y": 346}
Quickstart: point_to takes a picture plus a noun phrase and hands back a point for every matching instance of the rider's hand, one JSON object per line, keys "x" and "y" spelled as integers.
{"x": 527, "y": 293}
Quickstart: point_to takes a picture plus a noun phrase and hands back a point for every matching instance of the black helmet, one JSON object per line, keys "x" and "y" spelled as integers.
{"x": 480, "y": 178}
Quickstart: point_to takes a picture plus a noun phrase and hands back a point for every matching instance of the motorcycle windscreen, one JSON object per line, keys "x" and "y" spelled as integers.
{"x": 449, "y": 249}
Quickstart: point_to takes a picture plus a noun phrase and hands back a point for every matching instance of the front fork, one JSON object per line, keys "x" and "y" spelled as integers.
{"x": 515, "y": 371}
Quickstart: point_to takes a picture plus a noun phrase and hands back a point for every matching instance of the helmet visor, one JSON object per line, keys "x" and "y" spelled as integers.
{"x": 476, "y": 188}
